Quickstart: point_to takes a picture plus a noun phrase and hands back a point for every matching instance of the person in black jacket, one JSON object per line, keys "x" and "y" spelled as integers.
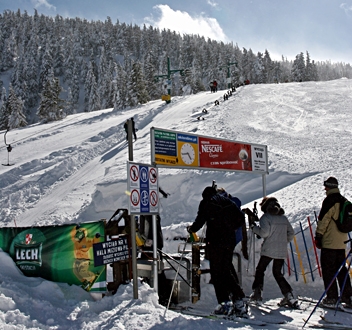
{"x": 220, "y": 245}
{"x": 125, "y": 126}
{"x": 134, "y": 129}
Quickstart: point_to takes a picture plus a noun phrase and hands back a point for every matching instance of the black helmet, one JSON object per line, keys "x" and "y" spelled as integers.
{"x": 209, "y": 192}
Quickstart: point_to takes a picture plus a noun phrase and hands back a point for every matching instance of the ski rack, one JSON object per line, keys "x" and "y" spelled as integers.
{"x": 9, "y": 149}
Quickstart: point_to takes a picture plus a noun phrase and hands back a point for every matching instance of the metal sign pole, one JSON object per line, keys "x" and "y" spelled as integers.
{"x": 155, "y": 259}
{"x": 264, "y": 184}
{"x": 133, "y": 222}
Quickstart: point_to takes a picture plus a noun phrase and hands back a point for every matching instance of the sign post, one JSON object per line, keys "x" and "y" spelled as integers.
{"x": 143, "y": 186}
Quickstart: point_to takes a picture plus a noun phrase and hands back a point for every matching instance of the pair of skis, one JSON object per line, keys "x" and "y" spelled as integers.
{"x": 232, "y": 318}
{"x": 328, "y": 324}
{"x": 340, "y": 308}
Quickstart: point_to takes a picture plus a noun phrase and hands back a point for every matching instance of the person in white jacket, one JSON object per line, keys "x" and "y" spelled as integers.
{"x": 276, "y": 231}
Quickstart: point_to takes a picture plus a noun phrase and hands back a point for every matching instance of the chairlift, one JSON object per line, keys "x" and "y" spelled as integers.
{"x": 9, "y": 149}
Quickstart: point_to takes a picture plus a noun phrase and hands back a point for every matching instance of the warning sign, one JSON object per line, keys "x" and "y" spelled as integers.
{"x": 143, "y": 189}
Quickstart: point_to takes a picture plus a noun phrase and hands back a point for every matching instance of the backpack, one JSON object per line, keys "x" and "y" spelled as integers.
{"x": 344, "y": 222}
{"x": 232, "y": 216}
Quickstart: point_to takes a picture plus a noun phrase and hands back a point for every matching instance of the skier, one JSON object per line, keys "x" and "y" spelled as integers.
{"x": 220, "y": 245}
{"x": 331, "y": 242}
{"x": 125, "y": 126}
{"x": 211, "y": 84}
{"x": 215, "y": 86}
{"x": 134, "y": 129}
{"x": 276, "y": 231}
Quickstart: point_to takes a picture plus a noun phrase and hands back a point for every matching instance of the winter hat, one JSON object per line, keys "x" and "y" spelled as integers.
{"x": 209, "y": 192}
{"x": 268, "y": 201}
{"x": 331, "y": 182}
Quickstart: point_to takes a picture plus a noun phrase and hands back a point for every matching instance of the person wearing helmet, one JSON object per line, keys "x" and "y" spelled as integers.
{"x": 276, "y": 231}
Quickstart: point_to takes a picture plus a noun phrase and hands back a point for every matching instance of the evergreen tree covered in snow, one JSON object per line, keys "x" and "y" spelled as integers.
{"x": 137, "y": 86}
{"x": 4, "y": 114}
{"x": 14, "y": 108}
{"x": 51, "y": 106}
{"x": 94, "y": 97}
{"x": 299, "y": 69}
{"x": 69, "y": 104}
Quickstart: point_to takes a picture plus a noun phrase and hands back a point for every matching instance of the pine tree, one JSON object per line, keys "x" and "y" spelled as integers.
{"x": 14, "y": 107}
{"x": 94, "y": 97}
{"x": 69, "y": 104}
{"x": 298, "y": 71}
{"x": 51, "y": 106}
{"x": 120, "y": 88}
{"x": 4, "y": 114}
{"x": 137, "y": 86}
{"x": 269, "y": 67}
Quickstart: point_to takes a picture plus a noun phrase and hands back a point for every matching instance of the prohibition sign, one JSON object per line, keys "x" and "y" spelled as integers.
{"x": 153, "y": 198}
{"x": 152, "y": 175}
{"x": 134, "y": 173}
{"x": 134, "y": 197}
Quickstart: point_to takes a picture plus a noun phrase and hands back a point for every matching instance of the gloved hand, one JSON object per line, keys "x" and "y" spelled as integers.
{"x": 253, "y": 225}
{"x": 318, "y": 241}
{"x": 97, "y": 235}
{"x": 193, "y": 237}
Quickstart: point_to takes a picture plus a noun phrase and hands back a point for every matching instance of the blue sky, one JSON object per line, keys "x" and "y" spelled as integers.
{"x": 284, "y": 27}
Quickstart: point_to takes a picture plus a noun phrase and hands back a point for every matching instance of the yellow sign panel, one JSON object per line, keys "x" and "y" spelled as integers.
{"x": 166, "y": 160}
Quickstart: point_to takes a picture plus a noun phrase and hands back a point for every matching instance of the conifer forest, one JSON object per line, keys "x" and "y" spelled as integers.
{"x": 51, "y": 67}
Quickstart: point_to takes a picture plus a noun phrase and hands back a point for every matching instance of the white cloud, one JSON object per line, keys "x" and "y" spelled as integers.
{"x": 347, "y": 9}
{"x": 184, "y": 23}
{"x": 212, "y": 3}
{"x": 40, "y": 3}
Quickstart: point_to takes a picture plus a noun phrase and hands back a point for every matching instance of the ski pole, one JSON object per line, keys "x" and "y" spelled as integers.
{"x": 349, "y": 238}
{"x": 314, "y": 247}
{"x": 288, "y": 265}
{"x": 345, "y": 279}
{"x": 294, "y": 263}
{"x": 305, "y": 245}
{"x": 343, "y": 286}
{"x": 172, "y": 258}
{"x": 316, "y": 218}
{"x": 327, "y": 289}
{"x": 300, "y": 260}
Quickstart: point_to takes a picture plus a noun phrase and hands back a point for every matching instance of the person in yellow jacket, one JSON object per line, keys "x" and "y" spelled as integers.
{"x": 333, "y": 249}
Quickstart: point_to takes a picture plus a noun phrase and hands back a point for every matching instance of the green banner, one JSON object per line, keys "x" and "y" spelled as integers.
{"x": 58, "y": 253}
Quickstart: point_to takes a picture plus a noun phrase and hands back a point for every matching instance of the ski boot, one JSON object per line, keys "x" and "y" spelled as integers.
{"x": 289, "y": 300}
{"x": 241, "y": 309}
{"x": 347, "y": 302}
{"x": 225, "y": 308}
{"x": 256, "y": 297}
{"x": 329, "y": 302}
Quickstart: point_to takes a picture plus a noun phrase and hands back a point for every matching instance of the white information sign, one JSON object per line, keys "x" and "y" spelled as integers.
{"x": 142, "y": 185}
